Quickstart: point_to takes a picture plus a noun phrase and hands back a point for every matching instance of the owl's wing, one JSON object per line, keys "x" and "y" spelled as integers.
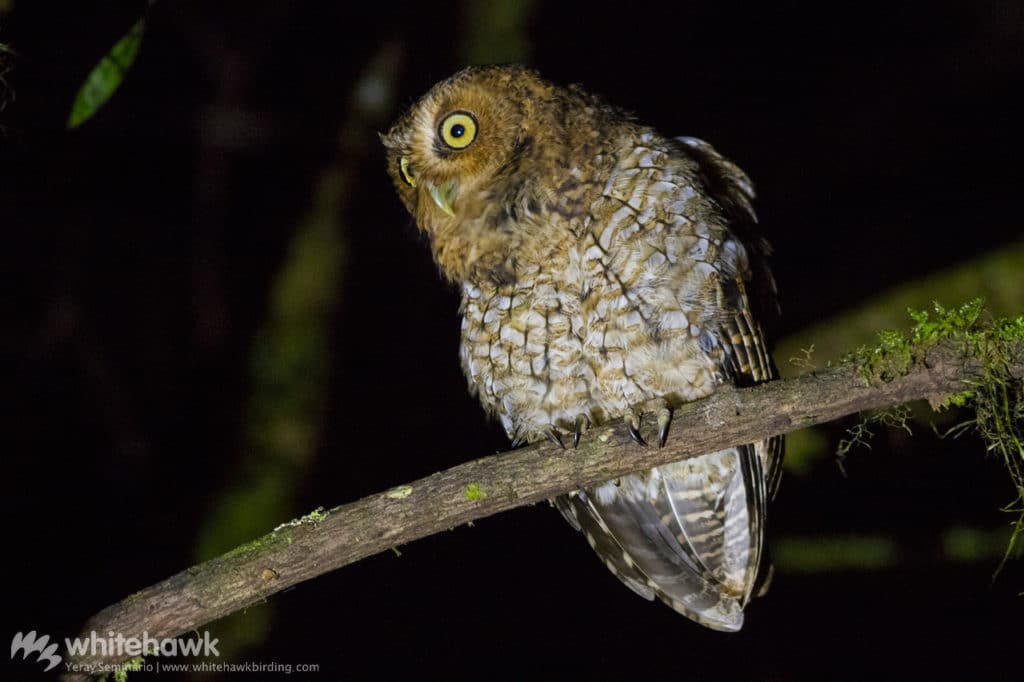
{"x": 681, "y": 533}
{"x": 754, "y": 297}
{"x": 746, "y": 362}
{"x": 691, "y": 532}
{"x": 734, "y": 192}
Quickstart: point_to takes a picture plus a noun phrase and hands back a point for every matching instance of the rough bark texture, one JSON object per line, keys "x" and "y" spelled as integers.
{"x": 326, "y": 541}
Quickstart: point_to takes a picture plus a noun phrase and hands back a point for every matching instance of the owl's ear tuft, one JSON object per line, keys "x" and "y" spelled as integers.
{"x": 385, "y": 139}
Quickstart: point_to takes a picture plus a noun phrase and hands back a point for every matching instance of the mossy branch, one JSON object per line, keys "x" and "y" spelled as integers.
{"x": 941, "y": 358}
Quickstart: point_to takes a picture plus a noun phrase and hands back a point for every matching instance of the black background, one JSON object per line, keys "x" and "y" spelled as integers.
{"x": 884, "y": 140}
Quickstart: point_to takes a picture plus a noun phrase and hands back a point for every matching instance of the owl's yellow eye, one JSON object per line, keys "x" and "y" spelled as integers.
{"x": 458, "y": 129}
{"x": 406, "y": 172}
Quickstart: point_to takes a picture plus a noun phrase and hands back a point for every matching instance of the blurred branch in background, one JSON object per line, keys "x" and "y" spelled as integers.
{"x": 292, "y": 352}
{"x": 495, "y": 32}
{"x": 227, "y": 129}
{"x": 837, "y": 553}
{"x": 291, "y": 355}
{"x": 996, "y": 277}
{"x": 6, "y": 91}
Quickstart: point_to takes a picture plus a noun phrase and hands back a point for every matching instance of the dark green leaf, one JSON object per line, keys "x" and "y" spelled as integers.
{"x": 106, "y": 76}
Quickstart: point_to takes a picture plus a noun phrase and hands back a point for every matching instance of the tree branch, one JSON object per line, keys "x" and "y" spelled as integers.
{"x": 325, "y": 541}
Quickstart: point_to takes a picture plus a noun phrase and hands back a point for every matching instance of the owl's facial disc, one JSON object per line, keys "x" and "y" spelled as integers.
{"x": 444, "y": 153}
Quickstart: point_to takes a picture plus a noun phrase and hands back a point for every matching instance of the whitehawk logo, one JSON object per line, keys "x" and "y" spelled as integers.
{"x": 29, "y": 643}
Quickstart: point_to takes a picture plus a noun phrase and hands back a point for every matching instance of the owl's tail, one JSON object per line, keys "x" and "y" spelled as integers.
{"x": 690, "y": 533}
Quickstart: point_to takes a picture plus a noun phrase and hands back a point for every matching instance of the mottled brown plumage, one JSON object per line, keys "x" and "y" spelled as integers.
{"x": 605, "y": 270}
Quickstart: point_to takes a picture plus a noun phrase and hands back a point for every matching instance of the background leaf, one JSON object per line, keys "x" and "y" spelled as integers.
{"x": 105, "y": 78}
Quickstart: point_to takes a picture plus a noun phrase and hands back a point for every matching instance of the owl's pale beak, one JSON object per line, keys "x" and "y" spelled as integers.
{"x": 444, "y": 195}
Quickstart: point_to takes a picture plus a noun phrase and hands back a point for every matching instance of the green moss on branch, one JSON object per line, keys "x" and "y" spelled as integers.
{"x": 996, "y": 398}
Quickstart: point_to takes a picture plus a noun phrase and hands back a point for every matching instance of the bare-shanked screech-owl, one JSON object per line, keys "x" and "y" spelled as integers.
{"x": 605, "y": 270}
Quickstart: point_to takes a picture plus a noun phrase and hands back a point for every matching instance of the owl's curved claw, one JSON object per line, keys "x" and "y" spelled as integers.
{"x": 633, "y": 424}
{"x": 553, "y": 436}
{"x": 581, "y": 425}
{"x": 634, "y": 433}
{"x": 664, "y": 419}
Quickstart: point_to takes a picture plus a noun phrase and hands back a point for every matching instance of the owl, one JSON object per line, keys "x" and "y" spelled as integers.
{"x": 605, "y": 271}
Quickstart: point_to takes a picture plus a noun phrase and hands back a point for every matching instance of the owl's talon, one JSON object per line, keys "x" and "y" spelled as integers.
{"x": 633, "y": 424}
{"x": 553, "y": 436}
{"x": 664, "y": 419}
{"x": 581, "y": 425}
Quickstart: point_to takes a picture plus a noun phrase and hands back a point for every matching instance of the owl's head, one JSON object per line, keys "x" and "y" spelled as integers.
{"x": 449, "y": 154}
